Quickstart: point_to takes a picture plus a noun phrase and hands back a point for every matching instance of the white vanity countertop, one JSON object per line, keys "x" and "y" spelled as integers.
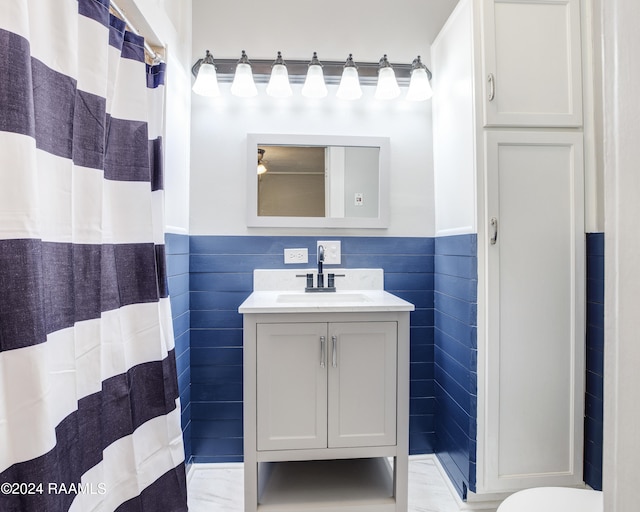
{"x": 359, "y": 290}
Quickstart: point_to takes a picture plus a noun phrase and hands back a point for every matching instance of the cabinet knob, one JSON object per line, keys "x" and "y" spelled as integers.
{"x": 492, "y": 86}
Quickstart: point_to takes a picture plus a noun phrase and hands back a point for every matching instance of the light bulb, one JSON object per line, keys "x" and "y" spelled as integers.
{"x": 206, "y": 83}
{"x": 349, "y": 88}
{"x": 243, "y": 85}
{"x": 387, "y": 88}
{"x": 419, "y": 87}
{"x": 314, "y": 86}
{"x": 278, "y": 86}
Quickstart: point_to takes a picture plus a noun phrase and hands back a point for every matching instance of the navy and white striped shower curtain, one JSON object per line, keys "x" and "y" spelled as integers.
{"x": 89, "y": 407}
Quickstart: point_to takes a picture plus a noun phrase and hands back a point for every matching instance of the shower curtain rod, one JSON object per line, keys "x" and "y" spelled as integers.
{"x": 153, "y": 55}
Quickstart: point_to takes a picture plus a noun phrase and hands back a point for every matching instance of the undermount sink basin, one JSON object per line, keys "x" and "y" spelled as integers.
{"x": 322, "y": 298}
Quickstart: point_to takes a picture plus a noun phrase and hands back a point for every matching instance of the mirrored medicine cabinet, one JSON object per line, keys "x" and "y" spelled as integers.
{"x": 317, "y": 181}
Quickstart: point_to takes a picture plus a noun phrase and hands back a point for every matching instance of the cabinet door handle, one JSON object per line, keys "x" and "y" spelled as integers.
{"x": 494, "y": 226}
{"x": 323, "y": 351}
{"x": 334, "y": 351}
{"x": 492, "y": 86}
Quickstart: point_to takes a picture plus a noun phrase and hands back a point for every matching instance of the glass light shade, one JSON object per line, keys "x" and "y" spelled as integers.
{"x": 419, "y": 87}
{"x": 314, "y": 86}
{"x": 387, "y": 88}
{"x": 278, "y": 86}
{"x": 261, "y": 169}
{"x": 206, "y": 83}
{"x": 349, "y": 88}
{"x": 243, "y": 85}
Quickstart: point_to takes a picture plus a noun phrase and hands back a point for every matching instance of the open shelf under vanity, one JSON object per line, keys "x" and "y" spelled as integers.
{"x": 318, "y": 485}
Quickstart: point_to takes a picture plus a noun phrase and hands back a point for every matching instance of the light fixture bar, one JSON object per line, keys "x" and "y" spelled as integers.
{"x": 297, "y": 69}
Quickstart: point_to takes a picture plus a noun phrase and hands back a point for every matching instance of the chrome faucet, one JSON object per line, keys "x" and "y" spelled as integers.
{"x": 320, "y": 287}
{"x": 320, "y": 262}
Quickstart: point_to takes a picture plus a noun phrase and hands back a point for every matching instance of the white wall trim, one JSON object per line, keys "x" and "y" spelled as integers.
{"x": 464, "y": 230}
{"x": 622, "y": 246}
{"x": 175, "y": 230}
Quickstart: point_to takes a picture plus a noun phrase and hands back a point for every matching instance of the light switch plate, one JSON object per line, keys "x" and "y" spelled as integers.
{"x": 292, "y": 256}
{"x": 332, "y": 251}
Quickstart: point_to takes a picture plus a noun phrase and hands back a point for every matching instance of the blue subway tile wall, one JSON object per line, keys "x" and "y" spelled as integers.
{"x": 595, "y": 361}
{"x": 221, "y": 269}
{"x": 455, "y": 357}
{"x": 177, "y": 250}
{"x": 209, "y": 276}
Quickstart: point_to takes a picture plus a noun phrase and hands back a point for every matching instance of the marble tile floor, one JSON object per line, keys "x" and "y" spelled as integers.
{"x": 219, "y": 487}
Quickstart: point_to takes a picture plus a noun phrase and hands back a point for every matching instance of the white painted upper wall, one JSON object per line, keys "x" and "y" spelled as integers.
{"x": 454, "y": 122}
{"x": 367, "y": 29}
{"x": 402, "y": 30}
{"x": 219, "y": 162}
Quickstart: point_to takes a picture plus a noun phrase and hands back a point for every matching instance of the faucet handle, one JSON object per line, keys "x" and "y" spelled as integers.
{"x": 331, "y": 283}
{"x": 309, "y": 277}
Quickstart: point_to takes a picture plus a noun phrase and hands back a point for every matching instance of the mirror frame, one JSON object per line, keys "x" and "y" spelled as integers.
{"x": 256, "y": 139}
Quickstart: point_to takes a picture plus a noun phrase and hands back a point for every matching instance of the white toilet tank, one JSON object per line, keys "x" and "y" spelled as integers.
{"x": 553, "y": 499}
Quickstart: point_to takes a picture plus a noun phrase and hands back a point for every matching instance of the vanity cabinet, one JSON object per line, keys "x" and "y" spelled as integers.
{"x": 326, "y": 411}
{"x": 509, "y": 166}
{"x": 326, "y": 385}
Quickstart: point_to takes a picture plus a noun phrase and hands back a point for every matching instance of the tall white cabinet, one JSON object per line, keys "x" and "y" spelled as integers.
{"x": 508, "y": 150}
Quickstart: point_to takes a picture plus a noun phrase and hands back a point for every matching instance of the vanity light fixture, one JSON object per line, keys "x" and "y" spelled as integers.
{"x": 314, "y": 86}
{"x": 349, "y": 88}
{"x": 387, "y": 88}
{"x": 312, "y": 78}
{"x": 419, "y": 87}
{"x": 278, "y": 86}
{"x": 243, "y": 85}
{"x": 206, "y": 83}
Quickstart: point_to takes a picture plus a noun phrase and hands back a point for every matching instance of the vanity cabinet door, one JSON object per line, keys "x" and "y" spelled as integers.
{"x": 291, "y": 386}
{"x": 362, "y": 384}
{"x": 326, "y": 385}
{"x": 532, "y": 63}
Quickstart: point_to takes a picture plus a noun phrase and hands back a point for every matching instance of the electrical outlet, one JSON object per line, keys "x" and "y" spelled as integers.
{"x": 292, "y": 256}
{"x": 358, "y": 199}
{"x": 332, "y": 252}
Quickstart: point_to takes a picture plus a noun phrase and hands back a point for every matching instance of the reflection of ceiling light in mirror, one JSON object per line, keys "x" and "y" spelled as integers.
{"x": 206, "y": 83}
{"x": 278, "y": 86}
{"x": 349, "y": 88}
{"x": 419, "y": 87}
{"x": 243, "y": 85}
{"x": 387, "y": 88}
{"x": 314, "y": 86}
{"x": 261, "y": 167}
